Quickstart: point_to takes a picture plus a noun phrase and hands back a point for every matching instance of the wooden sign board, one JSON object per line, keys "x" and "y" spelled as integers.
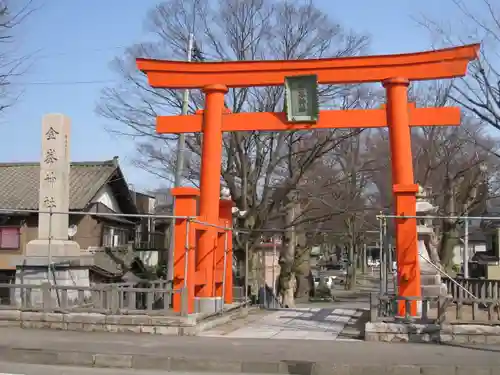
{"x": 301, "y": 98}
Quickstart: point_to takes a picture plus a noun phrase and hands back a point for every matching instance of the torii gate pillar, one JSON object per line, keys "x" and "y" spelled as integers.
{"x": 404, "y": 188}
{"x": 210, "y": 184}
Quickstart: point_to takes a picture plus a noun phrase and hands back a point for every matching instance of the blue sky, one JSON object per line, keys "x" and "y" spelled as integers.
{"x": 76, "y": 40}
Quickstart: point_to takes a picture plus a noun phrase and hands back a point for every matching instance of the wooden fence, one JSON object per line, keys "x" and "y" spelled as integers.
{"x": 103, "y": 298}
{"x": 384, "y": 308}
{"x": 479, "y": 288}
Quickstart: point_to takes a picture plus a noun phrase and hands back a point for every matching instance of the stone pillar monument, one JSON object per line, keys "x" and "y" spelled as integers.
{"x": 52, "y": 249}
{"x": 430, "y": 276}
{"x": 54, "y": 191}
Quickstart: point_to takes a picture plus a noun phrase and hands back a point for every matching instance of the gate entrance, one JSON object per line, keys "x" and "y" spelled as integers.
{"x": 395, "y": 72}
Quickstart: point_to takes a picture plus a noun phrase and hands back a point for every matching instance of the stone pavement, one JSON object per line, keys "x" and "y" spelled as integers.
{"x": 291, "y": 324}
{"x": 233, "y": 355}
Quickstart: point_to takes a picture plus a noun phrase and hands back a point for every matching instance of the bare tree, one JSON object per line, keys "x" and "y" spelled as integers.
{"x": 333, "y": 193}
{"x": 287, "y": 277}
{"x": 467, "y": 188}
{"x": 332, "y": 187}
{"x": 343, "y": 186}
{"x": 12, "y": 15}
{"x": 357, "y": 166}
{"x": 257, "y": 166}
{"x": 452, "y": 162}
{"x": 479, "y": 92}
{"x": 453, "y": 169}
{"x": 449, "y": 161}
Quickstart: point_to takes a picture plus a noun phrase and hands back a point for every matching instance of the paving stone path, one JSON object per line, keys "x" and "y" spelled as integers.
{"x": 286, "y": 324}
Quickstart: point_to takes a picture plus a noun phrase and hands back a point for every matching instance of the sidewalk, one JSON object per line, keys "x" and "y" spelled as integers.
{"x": 308, "y": 323}
{"x": 176, "y": 353}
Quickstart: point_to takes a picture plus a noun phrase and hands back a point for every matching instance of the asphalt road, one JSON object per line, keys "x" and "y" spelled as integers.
{"x": 7, "y": 368}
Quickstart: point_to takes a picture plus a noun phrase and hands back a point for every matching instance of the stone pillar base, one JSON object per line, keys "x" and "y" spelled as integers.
{"x": 53, "y": 248}
{"x": 208, "y": 305}
{"x": 64, "y": 271}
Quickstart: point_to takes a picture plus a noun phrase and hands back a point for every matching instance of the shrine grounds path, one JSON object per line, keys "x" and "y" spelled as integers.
{"x": 227, "y": 355}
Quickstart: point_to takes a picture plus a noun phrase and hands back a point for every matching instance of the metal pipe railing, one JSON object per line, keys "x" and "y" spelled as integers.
{"x": 226, "y": 241}
{"x": 84, "y": 213}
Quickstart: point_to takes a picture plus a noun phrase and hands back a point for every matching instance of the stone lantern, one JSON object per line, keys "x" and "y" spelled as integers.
{"x": 430, "y": 275}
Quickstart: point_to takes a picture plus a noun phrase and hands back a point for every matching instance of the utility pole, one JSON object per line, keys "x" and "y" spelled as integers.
{"x": 181, "y": 149}
{"x": 181, "y": 143}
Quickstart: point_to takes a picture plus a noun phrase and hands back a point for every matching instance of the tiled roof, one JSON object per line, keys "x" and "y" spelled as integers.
{"x": 19, "y": 183}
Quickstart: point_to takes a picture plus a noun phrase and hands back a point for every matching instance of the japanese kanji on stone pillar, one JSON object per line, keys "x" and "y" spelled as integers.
{"x": 395, "y": 72}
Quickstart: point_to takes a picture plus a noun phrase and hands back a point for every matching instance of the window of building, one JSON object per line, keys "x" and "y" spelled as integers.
{"x": 10, "y": 237}
{"x": 115, "y": 237}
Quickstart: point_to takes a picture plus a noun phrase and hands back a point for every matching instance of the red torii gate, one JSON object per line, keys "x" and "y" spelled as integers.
{"x": 394, "y": 71}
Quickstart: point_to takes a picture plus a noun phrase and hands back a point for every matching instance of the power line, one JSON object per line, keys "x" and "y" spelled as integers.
{"x": 197, "y": 55}
{"x": 62, "y": 83}
{"x": 67, "y": 83}
{"x": 85, "y": 50}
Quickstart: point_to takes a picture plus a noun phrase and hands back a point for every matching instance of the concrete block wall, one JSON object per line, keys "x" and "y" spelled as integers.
{"x": 446, "y": 333}
{"x": 94, "y": 322}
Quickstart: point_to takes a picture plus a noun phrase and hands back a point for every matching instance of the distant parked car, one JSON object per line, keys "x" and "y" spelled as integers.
{"x": 329, "y": 280}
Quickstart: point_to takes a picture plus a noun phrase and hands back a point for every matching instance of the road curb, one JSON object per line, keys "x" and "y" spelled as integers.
{"x": 145, "y": 362}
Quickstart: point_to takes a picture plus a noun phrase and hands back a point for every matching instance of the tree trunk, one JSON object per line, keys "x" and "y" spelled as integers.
{"x": 302, "y": 266}
{"x": 449, "y": 240}
{"x": 351, "y": 268}
{"x": 363, "y": 259}
{"x": 450, "y": 236}
{"x": 338, "y": 253}
{"x": 287, "y": 280}
{"x": 287, "y": 276}
{"x": 254, "y": 273}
